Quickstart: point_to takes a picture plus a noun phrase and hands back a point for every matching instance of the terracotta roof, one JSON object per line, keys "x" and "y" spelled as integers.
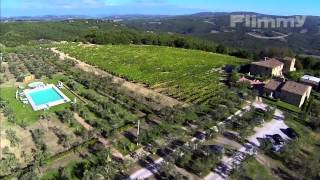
{"x": 295, "y": 88}
{"x": 271, "y": 63}
{"x": 273, "y": 85}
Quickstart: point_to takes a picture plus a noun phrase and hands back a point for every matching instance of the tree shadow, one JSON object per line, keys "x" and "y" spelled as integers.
{"x": 283, "y": 174}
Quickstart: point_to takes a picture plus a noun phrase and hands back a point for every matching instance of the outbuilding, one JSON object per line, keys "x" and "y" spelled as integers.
{"x": 295, "y": 93}
{"x": 310, "y": 80}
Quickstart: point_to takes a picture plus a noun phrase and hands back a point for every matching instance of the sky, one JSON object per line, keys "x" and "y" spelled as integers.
{"x": 155, "y": 7}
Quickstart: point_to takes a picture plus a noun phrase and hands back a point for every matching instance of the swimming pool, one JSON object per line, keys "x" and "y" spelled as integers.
{"x": 45, "y": 97}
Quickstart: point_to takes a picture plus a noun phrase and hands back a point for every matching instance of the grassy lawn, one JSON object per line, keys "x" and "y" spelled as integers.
{"x": 54, "y": 174}
{"x": 282, "y": 105}
{"x": 298, "y": 152}
{"x": 252, "y": 169}
{"x": 308, "y": 138}
{"x": 23, "y": 112}
{"x": 185, "y": 74}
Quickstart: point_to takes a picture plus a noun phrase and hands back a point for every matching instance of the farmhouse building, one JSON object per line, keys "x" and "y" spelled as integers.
{"x": 271, "y": 67}
{"x": 272, "y": 88}
{"x": 295, "y": 93}
{"x": 27, "y": 78}
{"x": 290, "y": 92}
{"x": 289, "y": 64}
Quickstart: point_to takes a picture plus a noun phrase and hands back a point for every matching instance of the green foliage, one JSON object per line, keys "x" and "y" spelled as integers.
{"x": 315, "y": 115}
{"x": 282, "y": 105}
{"x": 197, "y": 160}
{"x": 252, "y": 169}
{"x": 245, "y": 124}
{"x": 66, "y": 116}
{"x": 179, "y": 72}
{"x": 37, "y": 136}
{"x": 93, "y": 31}
{"x": 216, "y": 27}
{"x": 9, "y": 163}
{"x": 309, "y": 65}
{"x": 12, "y": 137}
{"x": 296, "y": 75}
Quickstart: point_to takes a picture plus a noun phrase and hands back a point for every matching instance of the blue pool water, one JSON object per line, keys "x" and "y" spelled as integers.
{"x": 45, "y": 96}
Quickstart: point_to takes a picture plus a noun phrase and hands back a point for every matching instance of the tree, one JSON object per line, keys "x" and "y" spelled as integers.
{"x": 62, "y": 174}
{"x": 234, "y": 78}
{"x": 9, "y": 163}
{"x": 221, "y": 49}
{"x": 29, "y": 175}
{"x": 12, "y": 137}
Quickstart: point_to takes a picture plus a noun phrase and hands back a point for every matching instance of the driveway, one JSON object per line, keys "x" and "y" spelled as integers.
{"x": 269, "y": 128}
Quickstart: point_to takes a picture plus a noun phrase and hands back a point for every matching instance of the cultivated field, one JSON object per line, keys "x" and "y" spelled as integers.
{"x": 188, "y": 75}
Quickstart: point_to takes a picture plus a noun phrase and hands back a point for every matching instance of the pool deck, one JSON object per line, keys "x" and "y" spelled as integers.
{"x": 47, "y": 105}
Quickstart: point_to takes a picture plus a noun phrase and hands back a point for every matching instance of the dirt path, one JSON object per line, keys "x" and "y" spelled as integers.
{"x": 132, "y": 88}
{"x": 101, "y": 139}
{"x": 82, "y": 122}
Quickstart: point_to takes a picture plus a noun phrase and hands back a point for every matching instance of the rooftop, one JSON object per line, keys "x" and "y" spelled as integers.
{"x": 271, "y": 63}
{"x": 295, "y": 88}
{"x": 273, "y": 85}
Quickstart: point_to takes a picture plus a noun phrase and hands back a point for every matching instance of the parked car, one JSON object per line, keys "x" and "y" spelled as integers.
{"x": 291, "y": 133}
{"x": 148, "y": 147}
{"x": 258, "y": 120}
{"x": 200, "y": 135}
{"x": 233, "y": 136}
{"x": 277, "y": 142}
{"x": 278, "y": 139}
{"x": 250, "y": 149}
{"x": 216, "y": 149}
{"x": 176, "y": 143}
{"x": 260, "y": 110}
{"x": 164, "y": 152}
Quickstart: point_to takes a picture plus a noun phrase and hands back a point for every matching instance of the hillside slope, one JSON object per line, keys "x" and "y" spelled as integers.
{"x": 216, "y": 27}
{"x": 185, "y": 74}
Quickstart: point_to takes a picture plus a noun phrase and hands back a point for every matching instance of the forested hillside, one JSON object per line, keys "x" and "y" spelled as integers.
{"x": 216, "y": 27}
{"x": 93, "y": 31}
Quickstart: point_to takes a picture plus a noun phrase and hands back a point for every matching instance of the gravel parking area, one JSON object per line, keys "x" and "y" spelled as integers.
{"x": 273, "y": 127}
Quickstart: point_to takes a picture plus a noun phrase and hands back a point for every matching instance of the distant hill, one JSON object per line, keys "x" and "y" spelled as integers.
{"x": 209, "y": 26}
{"x": 216, "y": 27}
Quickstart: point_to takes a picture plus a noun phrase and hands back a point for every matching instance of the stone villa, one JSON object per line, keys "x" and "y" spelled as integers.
{"x": 289, "y": 64}
{"x": 273, "y": 67}
{"x": 290, "y": 92}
